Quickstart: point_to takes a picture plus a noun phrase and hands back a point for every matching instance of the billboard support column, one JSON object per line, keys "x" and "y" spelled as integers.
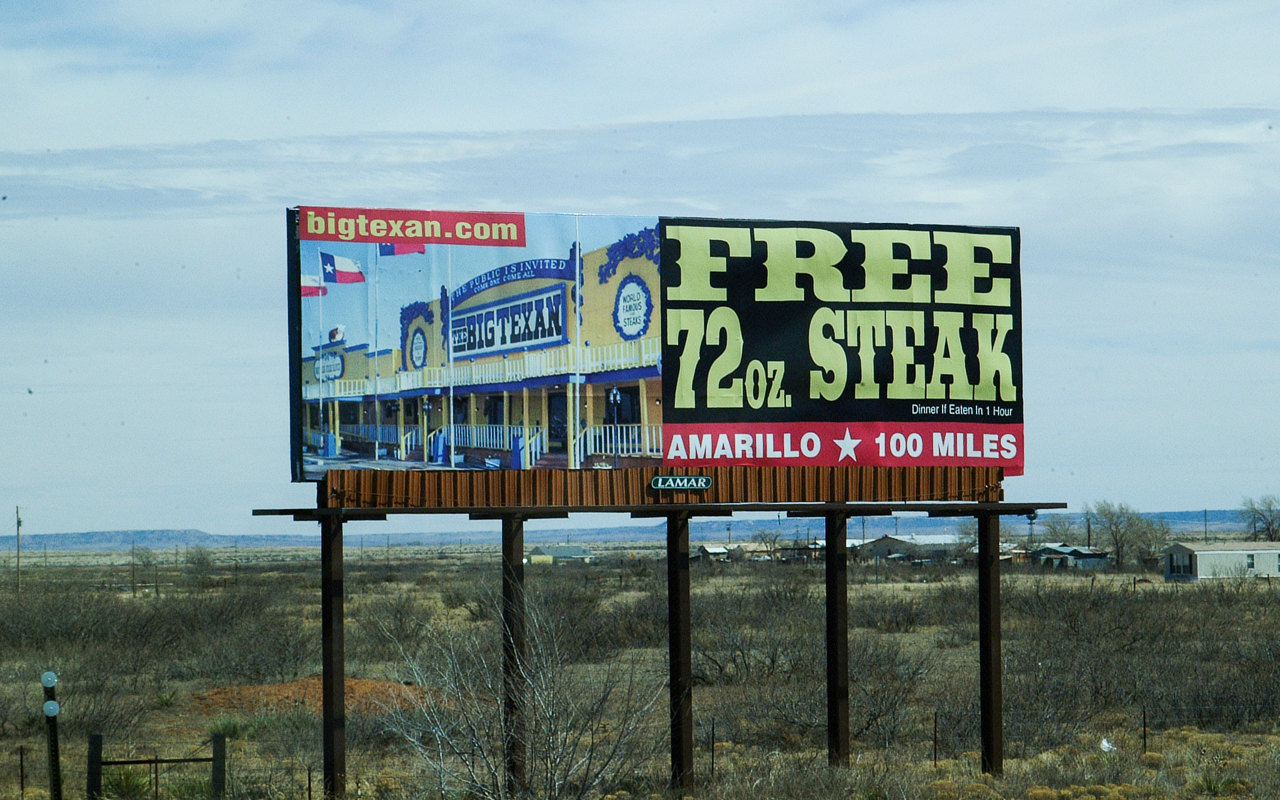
{"x": 332, "y": 652}
{"x": 837, "y": 575}
{"x": 514, "y": 677}
{"x": 992, "y": 692}
{"x": 680, "y": 649}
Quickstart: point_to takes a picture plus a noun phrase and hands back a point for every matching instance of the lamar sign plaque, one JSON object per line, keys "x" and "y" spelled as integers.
{"x": 681, "y": 483}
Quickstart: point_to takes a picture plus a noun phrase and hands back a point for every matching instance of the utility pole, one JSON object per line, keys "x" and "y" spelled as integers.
{"x": 17, "y": 513}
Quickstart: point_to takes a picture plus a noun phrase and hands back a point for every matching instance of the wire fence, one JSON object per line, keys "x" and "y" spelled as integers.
{"x": 290, "y": 768}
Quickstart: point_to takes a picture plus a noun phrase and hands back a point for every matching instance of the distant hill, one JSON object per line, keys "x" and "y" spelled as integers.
{"x": 112, "y": 541}
{"x": 1184, "y": 524}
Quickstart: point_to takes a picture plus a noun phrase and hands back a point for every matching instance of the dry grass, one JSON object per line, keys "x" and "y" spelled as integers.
{"x": 233, "y": 648}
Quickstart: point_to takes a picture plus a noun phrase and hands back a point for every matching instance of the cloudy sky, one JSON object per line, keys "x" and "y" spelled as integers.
{"x": 148, "y": 151}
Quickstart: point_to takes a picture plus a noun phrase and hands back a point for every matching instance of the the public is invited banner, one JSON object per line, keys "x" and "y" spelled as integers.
{"x": 495, "y": 340}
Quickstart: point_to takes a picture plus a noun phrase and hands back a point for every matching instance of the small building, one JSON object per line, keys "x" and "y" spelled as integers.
{"x": 1058, "y": 555}
{"x": 1189, "y": 561}
{"x": 712, "y": 552}
{"x": 560, "y": 554}
{"x": 752, "y": 551}
{"x": 884, "y": 547}
{"x": 802, "y": 551}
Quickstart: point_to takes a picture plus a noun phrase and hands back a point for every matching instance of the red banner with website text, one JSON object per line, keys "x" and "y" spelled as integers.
{"x": 394, "y": 226}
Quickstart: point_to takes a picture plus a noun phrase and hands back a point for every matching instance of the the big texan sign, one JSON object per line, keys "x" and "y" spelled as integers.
{"x": 814, "y": 343}
{"x": 445, "y": 339}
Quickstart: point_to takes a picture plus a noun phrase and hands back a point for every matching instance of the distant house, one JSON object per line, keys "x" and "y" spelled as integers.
{"x": 1188, "y": 561}
{"x": 712, "y": 552}
{"x": 560, "y": 554}
{"x": 752, "y": 551}
{"x": 1059, "y": 555}
{"x": 802, "y": 551}
{"x": 884, "y": 547}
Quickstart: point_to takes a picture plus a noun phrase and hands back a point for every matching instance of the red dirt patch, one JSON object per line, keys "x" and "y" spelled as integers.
{"x": 361, "y": 695}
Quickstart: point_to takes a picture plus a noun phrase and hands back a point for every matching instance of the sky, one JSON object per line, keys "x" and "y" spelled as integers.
{"x": 148, "y": 152}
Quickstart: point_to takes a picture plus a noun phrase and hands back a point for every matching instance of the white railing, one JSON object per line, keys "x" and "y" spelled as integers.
{"x": 620, "y": 440}
{"x": 513, "y": 369}
{"x": 492, "y": 437}
{"x": 386, "y": 434}
{"x": 623, "y": 355}
{"x": 412, "y": 438}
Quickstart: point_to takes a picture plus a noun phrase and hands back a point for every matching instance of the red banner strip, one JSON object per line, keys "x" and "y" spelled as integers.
{"x": 852, "y": 444}
{"x": 393, "y": 226}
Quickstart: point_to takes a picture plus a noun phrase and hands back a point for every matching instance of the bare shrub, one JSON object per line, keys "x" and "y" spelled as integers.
{"x": 96, "y": 700}
{"x": 273, "y": 648}
{"x": 885, "y": 613}
{"x": 585, "y": 728}
{"x": 387, "y": 623}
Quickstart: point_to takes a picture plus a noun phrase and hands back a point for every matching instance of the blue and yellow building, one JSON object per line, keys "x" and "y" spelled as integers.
{"x": 538, "y": 362}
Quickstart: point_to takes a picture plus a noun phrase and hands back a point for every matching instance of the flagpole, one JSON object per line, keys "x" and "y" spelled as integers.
{"x": 377, "y": 372}
{"x": 324, "y": 427}
{"x": 447, "y": 325}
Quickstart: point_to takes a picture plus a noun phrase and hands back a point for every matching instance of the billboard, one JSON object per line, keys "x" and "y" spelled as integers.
{"x": 482, "y": 340}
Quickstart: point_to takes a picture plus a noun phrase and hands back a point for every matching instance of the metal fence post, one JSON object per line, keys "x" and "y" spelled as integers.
{"x": 49, "y": 680}
{"x": 218, "y": 777}
{"x": 93, "y": 773}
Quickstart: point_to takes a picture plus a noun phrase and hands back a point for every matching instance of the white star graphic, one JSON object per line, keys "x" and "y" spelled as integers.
{"x": 847, "y": 446}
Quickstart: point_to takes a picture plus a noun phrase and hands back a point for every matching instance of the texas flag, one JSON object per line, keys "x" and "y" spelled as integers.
{"x": 312, "y": 287}
{"x": 400, "y": 249}
{"x": 337, "y": 269}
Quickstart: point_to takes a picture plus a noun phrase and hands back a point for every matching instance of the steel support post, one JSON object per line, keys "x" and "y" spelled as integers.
{"x": 992, "y": 691}
{"x": 837, "y": 574}
{"x": 514, "y": 678}
{"x": 332, "y": 655}
{"x": 680, "y": 649}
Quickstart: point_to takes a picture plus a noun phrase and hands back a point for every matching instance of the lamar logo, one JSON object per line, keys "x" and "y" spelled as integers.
{"x": 669, "y": 483}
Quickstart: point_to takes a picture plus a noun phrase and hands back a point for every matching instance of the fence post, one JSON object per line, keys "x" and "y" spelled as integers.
{"x": 93, "y": 774}
{"x": 49, "y": 680}
{"x": 218, "y": 779}
{"x": 935, "y": 739}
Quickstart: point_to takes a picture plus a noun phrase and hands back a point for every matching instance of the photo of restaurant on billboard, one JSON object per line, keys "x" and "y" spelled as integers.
{"x": 486, "y": 340}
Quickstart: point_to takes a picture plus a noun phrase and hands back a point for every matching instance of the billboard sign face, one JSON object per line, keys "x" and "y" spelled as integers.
{"x": 473, "y": 340}
{"x": 840, "y": 344}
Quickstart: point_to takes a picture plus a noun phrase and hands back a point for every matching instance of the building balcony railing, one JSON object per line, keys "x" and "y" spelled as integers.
{"x": 643, "y": 441}
{"x": 492, "y": 437}
{"x": 514, "y": 368}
